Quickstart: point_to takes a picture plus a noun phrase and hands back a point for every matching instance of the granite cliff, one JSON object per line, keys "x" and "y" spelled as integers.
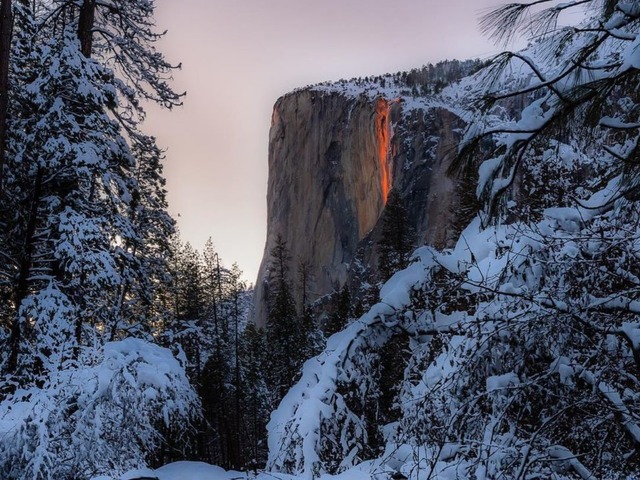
{"x": 336, "y": 151}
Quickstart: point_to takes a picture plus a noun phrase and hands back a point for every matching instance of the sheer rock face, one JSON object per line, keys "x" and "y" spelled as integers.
{"x": 333, "y": 159}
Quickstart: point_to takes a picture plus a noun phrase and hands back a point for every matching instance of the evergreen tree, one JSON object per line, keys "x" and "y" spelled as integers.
{"x": 143, "y": 296}
{"x": 343, "y": 311}
{"x": 87, "y": 185}
{"x": 396, "y": 243}
{"x": 309, "y": 336}
{"x": 83, "y": 227}
{"x": 213, "y": 280}
{"x": 80, "y": 166}
{"x": 215, "y": 381}
{"x": 257, "y": 398}
{"x": 304, "y": 284}
{"x": 236, "y": 291}
{"x": 17, "y": 216}
{"x": 282, "y": 322}
{"x": 186, "y": 325}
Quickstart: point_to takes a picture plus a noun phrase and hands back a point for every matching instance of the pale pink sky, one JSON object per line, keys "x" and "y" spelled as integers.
{"x": 239, "y": 56}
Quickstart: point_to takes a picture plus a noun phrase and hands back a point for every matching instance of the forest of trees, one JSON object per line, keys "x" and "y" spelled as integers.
{"x": 428, "y": 80}
{"x": 120, "y": 346}
{"x": 514, "y": 354}
{"x": 240, "y": 372}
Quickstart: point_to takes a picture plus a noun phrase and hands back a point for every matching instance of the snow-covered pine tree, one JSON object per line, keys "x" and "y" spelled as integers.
{"x": 84, "y": 214}
{"x": 18, "y": 191}
{"x": 124, "y": 180}
{"x": 143, "y": 301}
{"x": 282, "y": 321}
{"x": 121, "y": 34}
{"x": 79, "y": 166}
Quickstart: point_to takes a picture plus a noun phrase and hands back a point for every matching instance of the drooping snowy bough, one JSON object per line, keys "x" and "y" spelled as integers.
{"x": 524, "y": 339}
{"x": 321, "y": 424}
{"x": 524, "y": 348}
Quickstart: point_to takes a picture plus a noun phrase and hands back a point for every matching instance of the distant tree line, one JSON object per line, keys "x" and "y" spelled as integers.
{"x": 426, "y": 80}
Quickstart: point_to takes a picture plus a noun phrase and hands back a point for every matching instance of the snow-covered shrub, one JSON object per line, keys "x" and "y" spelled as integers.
{"x": 102, "y": 415}
{"x": 538, "y": 364}
{"x": 49, "y": 310}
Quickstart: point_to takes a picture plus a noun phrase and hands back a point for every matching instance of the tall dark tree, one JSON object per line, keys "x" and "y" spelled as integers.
{"x": 6, "y": 34}
{"x": 304, "y": 283}
{"x": 309, "y": 335}
{"x": 257, "y": 398}
{"x": 213, "y": 280}
{"x": 397, "y": 237}
{"x": 282, "y": 321}
{"x": 235, "y": 293}
{"x": 342, "y": 312}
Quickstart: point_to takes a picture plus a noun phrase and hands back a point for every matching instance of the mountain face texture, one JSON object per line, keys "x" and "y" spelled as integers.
{"x": 335, "y": 153}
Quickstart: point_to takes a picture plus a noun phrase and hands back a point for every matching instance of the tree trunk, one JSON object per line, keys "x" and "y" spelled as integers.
{"x": 6, "y": 27}
{"x": 22, "y": 283}
{"x": 85, "y": 26}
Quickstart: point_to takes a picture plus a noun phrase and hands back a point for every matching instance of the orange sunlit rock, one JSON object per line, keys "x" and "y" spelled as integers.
{"x": 383, "y": 135}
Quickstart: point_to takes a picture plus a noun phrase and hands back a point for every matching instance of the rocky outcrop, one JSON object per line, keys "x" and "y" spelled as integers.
{"x": 334, "y": 155}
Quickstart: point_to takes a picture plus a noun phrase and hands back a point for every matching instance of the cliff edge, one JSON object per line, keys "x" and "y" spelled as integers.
{"x": 335, "y": 152}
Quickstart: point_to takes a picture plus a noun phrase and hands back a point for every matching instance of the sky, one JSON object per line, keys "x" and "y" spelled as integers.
{"x": 239, "y": 56}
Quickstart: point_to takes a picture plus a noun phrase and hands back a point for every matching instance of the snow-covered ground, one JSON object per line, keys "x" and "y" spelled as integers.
{"x": 205, "y": 471}
{"x": 184, "y": 471}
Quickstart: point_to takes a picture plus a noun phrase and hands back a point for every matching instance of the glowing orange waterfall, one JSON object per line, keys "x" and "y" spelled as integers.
{"x": 383, "y": 135}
